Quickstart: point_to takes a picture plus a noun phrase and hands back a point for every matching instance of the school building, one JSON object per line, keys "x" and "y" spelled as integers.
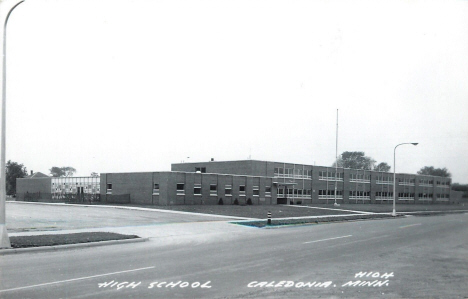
{"x": 242, "y": 182}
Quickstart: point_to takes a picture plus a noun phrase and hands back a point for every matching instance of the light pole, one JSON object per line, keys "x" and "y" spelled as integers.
{"x": 336, "y": 159}
{"x": 394, "y": 174}
{"x": 6, "y": 7}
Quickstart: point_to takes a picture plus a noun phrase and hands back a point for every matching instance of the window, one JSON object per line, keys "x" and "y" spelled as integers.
{"x": 241, "y": 188}
{"x": 197, "y": 190}
{"x": 200, "y": 169}
{"x": 213, "y": 187}
{"x": 228, "y": 190}
{"x": 109, "y": 189}
{"x": 156, "y": 189}
{"x": 256, "y": 192}
{"x": 276, "y": 173}
{"x": 298, "y": 173}
{"x": 383, "y": 195}
{"x": 331, "y": 176}
{"x": 267, "y": 189}
{"x": 405, "y": 196}
{"x": 180, "y": 189}
{"x": 406, "y": 181}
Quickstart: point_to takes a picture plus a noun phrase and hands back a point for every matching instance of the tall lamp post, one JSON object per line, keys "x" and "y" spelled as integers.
{"x": 6, "y": 7}
{"x": 394, "y": 174}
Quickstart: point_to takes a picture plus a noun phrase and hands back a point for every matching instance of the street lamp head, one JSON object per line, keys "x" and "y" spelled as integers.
{"x": 414, "y": 143}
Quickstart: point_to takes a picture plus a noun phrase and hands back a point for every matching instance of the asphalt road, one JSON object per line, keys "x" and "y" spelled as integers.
{"x": 413, "y": 257}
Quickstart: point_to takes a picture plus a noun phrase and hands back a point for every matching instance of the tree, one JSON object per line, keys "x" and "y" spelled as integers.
{"x": 382, "y": 166}
{"x": 14, "y": 171}
{"x": 430, "y": 170}
{"x": 355, "y": 160}
{"x": 62, "y": 171}
{"x": 460, "y": 187}
{"x": 94, "y": 174}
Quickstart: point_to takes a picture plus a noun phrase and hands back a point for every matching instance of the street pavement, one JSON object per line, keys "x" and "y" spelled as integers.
{"x": 411, "y": 257}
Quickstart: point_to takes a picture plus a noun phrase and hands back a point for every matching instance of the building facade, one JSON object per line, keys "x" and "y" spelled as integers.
{"x": 59, "y": 189}
{"x": 317, "y": 184}
{"x": 247, "y": 182}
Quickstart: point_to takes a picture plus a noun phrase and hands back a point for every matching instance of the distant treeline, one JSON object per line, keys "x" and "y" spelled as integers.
{"x": 461, "y": 187}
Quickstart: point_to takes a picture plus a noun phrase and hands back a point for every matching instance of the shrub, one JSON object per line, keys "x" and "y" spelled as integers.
{"x": 220, "y": 201}
{"x": 249, "y": 202}
{"x": 236, "y": 202}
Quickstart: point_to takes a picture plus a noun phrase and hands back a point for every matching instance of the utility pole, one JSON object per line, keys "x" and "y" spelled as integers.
{"x": 336, "y": 159}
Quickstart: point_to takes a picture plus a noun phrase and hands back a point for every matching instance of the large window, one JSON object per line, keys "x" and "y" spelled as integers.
{"x": 405, "y": 196}
{"x": 360, "y": 177}
{"x": 297, "y": 173}
{"x": 382, "y": 195}
{"x": 331, "y": 176}
{"x": 426, "y": 182}
{"x": 406, "y": 182}
{"x": 385, "y": 179}
{"x": 327, "y": 194}
{"x": 425, "y": 196}
{"x": 443, "y": 184}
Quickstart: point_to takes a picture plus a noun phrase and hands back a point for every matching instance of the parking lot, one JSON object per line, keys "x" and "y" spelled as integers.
{"x": 29, "y": 217}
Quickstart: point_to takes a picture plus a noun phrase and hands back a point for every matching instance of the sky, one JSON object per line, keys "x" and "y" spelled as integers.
{"x": 135, "y": 85}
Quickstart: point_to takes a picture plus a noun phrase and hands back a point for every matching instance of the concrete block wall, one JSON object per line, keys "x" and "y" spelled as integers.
{"x": 36, "y": 185}
{"x": 140, "y": 186}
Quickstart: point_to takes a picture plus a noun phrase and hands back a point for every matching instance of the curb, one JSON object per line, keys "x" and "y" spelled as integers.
{"x": 70, "y": 246}
{"x": 354, "y": 217}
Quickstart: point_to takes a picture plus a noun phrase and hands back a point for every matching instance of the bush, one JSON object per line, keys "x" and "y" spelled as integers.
{"x": 220, "y": 201}
{"x": 236, "y": 202}
{"x": 249, "y": 202}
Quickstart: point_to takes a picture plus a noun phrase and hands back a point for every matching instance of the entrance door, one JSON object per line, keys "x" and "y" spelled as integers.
{"x": 80, "y": 193}
{"x": 281, "y": 196}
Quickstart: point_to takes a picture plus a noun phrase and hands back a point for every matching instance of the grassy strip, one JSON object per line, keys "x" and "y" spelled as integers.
{"x": 65, "y": 239}
{"x": 282, "y": 222}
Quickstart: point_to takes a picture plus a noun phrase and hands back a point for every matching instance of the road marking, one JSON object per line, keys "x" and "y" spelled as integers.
{"x": 405, "y": 226}
{"x": 327, "y": 239}
{"x": 75, "y": 279}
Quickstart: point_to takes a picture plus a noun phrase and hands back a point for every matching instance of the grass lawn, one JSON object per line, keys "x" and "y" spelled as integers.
{"x": 64, "y": 239}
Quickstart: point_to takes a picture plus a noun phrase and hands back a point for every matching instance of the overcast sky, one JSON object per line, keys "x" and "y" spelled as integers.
{"x": 135, "y": 85}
